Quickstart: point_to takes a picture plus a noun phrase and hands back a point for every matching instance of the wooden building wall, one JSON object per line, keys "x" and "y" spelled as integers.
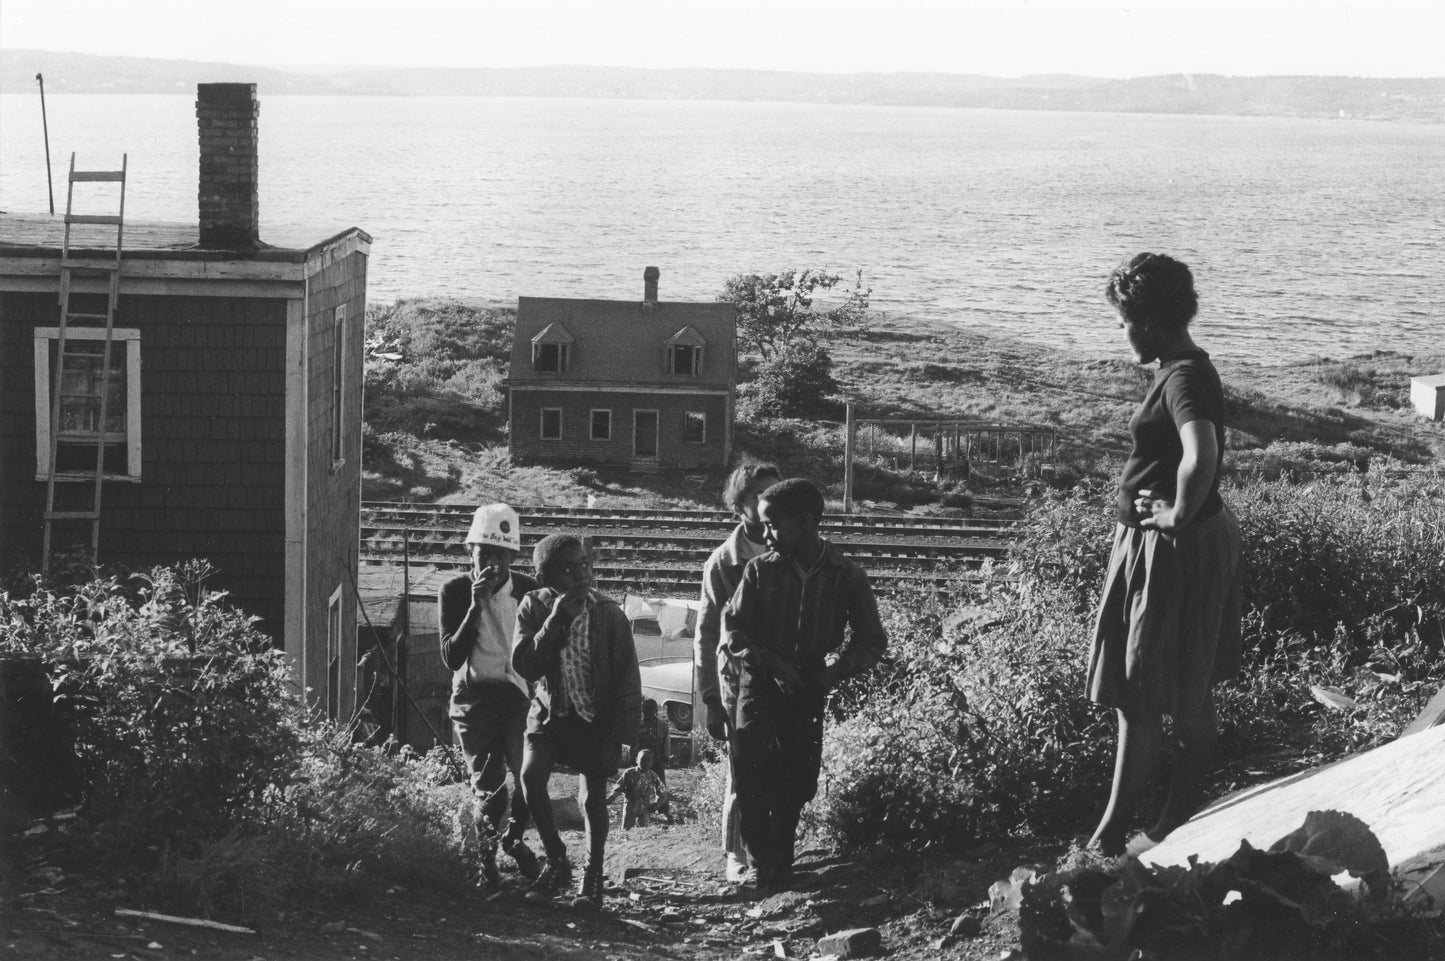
{"x": 212, "y": 441}
{"x": 333, "y": 515}
{"x": 575, "y": 447}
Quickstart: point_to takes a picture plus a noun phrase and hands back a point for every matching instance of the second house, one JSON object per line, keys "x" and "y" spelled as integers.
{"x": 644, "y": 385}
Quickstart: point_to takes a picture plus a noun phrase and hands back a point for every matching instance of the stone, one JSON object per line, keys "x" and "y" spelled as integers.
{"x": 965, "y": 926}
{"x": 853, "y": 943}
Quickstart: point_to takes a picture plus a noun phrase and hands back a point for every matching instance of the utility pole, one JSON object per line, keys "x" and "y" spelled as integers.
{"x": 851, "y": 430}
{"x": 45, "y": 125}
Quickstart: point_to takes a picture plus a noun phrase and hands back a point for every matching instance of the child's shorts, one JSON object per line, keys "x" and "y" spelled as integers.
{"x": 574, "y": 743}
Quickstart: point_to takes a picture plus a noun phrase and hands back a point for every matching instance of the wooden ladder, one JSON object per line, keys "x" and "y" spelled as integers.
{"x": 80, "y": 362}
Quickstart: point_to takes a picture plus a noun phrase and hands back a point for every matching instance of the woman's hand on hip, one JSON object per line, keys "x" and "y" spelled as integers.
{"x": 1156, "y": 513}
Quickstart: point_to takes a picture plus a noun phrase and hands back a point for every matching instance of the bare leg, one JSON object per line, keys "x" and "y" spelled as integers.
{"x": 1136, "y": 766}
{"x": 1197, "y": 736}
{"x": 536, "y": 771}
{"x": 593, "y": 795}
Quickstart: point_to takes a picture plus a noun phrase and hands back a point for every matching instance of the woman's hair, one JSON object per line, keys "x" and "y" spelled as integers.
{"x": 1153, "y": 289}
{"x": 796, "y": 497}
{"x": 547, "y": 550}
{"x": 743, "y": 476}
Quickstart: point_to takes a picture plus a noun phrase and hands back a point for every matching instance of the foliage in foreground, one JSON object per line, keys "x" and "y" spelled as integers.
{"x": 1281, "y": 904}
{"x": 977, "y": 724}
{"x": 205, "y": 783}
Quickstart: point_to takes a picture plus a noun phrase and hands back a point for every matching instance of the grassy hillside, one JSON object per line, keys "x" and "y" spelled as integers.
{"x": 436, "y": 422}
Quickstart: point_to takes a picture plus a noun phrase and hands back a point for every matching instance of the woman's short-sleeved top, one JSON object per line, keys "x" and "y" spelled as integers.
{"x": 1185, "y": 389}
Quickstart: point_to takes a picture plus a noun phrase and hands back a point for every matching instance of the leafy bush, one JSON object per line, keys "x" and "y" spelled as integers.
{"x": 352, "y": 822}
{"x": 795, "y": 381}
{"x": 183, "y": 717}
{"x": 972, "y": 726}
{"x": 205, "y": 782}
{"x": 977, "y": 722}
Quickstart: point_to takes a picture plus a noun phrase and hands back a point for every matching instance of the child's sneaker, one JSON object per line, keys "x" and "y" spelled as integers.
{"x": 527, "y": 864}
{"x": 737, "y": 869}
{"x": 555, "y": 875}
{"x": 589, "y": 892}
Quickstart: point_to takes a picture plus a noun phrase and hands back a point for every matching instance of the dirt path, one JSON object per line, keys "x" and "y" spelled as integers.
{"x": 665, "y": 901}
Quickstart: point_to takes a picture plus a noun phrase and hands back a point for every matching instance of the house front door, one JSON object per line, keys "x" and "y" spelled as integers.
{"x": 644, "y": 435}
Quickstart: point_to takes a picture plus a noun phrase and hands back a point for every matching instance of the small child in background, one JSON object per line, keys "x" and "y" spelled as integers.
{"x": 641, "y": 790}
{"x": 575, "y": 644}
{"x": 652, "y": 736}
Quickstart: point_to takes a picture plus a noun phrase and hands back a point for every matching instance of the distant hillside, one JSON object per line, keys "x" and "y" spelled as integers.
{"x": 1327, "y": 97}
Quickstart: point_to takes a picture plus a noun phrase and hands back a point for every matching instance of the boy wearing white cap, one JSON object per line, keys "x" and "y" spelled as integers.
{"x": 476, "y": 613}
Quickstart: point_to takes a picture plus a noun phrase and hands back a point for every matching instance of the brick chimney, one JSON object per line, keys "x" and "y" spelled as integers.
{"x": 230, "y": 211}
{"x": 649, "y": 285}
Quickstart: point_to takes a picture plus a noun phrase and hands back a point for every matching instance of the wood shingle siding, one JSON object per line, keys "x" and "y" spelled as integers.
{"x": 619, "y": 358}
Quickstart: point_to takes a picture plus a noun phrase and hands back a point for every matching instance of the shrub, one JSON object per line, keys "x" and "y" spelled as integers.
{"x": 796, "y": 381}
{"x": 977, "y": 722}
{"x": 183, "y": 718}
{"x": 967, "y": 730}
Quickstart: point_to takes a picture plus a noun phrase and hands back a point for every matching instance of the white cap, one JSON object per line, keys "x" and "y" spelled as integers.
{"x": 496, "y": 525}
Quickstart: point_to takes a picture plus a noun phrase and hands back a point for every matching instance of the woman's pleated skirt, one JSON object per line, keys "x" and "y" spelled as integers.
{"x": 1168, "y": 621}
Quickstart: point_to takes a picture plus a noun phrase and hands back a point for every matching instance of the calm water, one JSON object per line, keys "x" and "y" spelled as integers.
{"x": 1307, "y": 237}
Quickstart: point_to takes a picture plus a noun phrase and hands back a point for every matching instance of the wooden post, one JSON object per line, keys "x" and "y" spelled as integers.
{"x": 45, "y": 125}
{"x": 398, "y": 691}
{"x": 850, "y": 432}
{"x": 913, "y": 451}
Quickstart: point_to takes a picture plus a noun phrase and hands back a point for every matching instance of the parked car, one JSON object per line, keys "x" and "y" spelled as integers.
{"x": 661, "y": 626}
{"x": 669, "y": 682}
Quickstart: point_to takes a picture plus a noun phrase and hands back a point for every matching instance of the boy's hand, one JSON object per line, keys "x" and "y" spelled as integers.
{"x": 717, "y": 722}
{"x": 567, "y": 606}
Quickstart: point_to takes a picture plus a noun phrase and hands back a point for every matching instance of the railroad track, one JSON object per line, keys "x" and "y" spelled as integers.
{"x": 662, "y": 551}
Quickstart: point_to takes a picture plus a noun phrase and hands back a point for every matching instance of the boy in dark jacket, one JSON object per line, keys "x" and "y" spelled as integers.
{"x": 575, "y": 645}
{"x": 476, "y": 614}
{"x": 716, "y": 676}
{"x": 785, "y": 628}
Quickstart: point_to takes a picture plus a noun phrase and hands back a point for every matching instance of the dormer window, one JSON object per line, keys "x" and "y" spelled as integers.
{"x": 685, "y": 360}
{"x": 550, "y": 349}
{"x": 683, "y": 353}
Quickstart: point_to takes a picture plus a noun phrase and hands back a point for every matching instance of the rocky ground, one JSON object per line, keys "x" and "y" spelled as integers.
{"x": 665, "y": 899}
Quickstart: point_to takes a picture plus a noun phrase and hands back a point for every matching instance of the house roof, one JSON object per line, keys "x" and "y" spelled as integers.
{"x": 554, "y": 334}
{"x": 40, "y": 235}
{"x": 688, "y": 337}
{"x": 624, "y": 341}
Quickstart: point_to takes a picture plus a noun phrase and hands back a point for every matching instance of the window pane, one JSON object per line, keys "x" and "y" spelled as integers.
{"x": 684, "y": 360}
{"x": 551, "y": 424}
{"x": 694, "y": 427}
{"x": 602, "y": 425}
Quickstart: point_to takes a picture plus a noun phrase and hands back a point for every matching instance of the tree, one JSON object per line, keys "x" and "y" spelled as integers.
{"x": 775, "y": 311}
{"x": 796, "y": 381}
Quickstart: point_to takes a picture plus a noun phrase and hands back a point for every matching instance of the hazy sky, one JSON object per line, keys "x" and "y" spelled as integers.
{"x": 1102, "y": 38}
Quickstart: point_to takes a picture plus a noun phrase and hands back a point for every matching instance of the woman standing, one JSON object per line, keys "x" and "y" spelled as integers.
{"x": 1168, "y": 621}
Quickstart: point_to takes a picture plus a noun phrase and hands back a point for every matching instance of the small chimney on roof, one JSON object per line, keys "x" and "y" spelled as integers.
{"x": 649, "y": 285}
{"x": 229, "y": 205}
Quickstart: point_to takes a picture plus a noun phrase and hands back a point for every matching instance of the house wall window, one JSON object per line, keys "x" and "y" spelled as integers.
{"x": 694, "y": 427}
{"x": 549, "y": 358}
{"x": 551, "y": 423}
{"x": 338, "y": 388}
{"x": 684, "y": 359}
{"x": 601, "y": 425}
{"x": 333, "y": 656}
{"x": 78, "y": 422}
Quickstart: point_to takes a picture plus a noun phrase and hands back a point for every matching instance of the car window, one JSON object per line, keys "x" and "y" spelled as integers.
{"x": 646, "y": 625}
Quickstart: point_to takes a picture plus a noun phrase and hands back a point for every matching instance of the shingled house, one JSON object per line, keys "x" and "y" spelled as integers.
{"x": 234, "y": 431}
{"x": 622, "y": 383}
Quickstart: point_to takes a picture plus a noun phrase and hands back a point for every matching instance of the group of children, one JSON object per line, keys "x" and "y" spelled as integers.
{"x": 545, "y": 673}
